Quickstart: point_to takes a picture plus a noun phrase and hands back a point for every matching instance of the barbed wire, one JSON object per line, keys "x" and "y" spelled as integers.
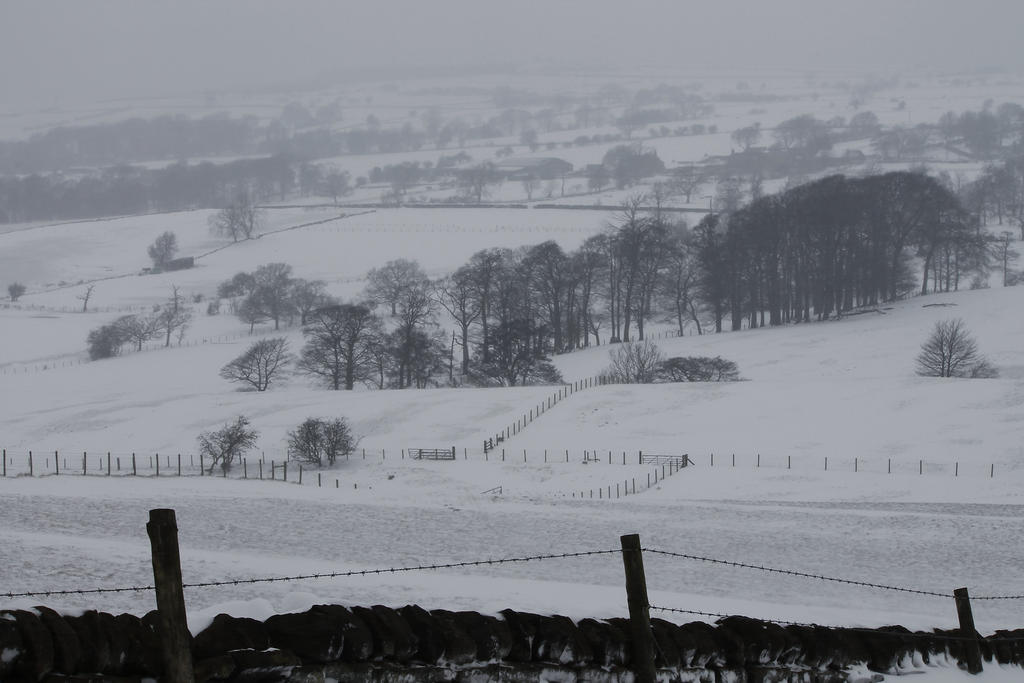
{"x": 322, "y": 575}
{"x": 82, "y": 591}
{"x": 856, "y": 629}
{"x": 396, "y": 570}
{"x": 806, "y": 575}
{"x": 997, "y": 597}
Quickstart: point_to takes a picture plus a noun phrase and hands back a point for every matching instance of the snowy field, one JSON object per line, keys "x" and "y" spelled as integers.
{"x": 924, "y": 485}
{"x": 843, "y": 390}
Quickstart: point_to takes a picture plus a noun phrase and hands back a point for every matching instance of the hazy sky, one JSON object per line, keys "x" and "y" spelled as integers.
{"x": 51, "y": 51}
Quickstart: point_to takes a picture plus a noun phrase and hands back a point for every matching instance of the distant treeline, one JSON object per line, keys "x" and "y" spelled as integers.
{"x": 132, "y": 190}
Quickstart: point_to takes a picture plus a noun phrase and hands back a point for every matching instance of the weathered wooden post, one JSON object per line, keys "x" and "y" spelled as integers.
{"x": 175, "y": 647}
{"x": 967, "y": 630}
{"x": 135, "y": 471}
{"x": 639, "y": 609}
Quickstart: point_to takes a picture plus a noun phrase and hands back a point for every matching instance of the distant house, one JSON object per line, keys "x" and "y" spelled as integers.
{"x": 542, "y": 168}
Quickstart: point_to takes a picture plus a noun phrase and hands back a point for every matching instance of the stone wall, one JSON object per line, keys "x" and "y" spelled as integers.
{"x": 334, "y": 643}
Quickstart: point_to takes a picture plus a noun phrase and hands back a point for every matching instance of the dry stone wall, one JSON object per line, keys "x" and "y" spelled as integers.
{"x": 334, "y": 643}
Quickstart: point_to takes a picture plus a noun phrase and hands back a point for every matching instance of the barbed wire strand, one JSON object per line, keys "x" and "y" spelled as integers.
{"x": 323, "y": 575}
{"x": 805, "y": 575}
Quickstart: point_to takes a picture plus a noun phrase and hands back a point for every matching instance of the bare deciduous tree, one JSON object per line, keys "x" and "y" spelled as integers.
{"x": 15, "y": 290}
{"x": 260, "y": 363}
{"x": 226, "y": 445}
{"x": 320, "y": 441}
{"x": 173, "y": 317}
{"x": 635, "y": 362}
{"x": 951, "y": 351}
{"x": 85, "y": 296}
{"x": 138, "y": 329}
{"x": 238, "y": 220}
{"x": 339, "y": 345}
{"x": 388, "y": 284}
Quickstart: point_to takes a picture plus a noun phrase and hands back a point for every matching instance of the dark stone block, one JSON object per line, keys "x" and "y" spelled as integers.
{"x": 431, "y": 645}
{"x": 560, "y": 642}
{"x": 607, "y": 642}
{"x": 523, "y": 629}
{"x": 705, "y": 641}
{"x": 228, "y": 633}
{"x": 459, "y": 646}
{"x": 886, "y": 647}
{"x": 38, "y": 657}
{"x": 118, "y": 642}
{"x": 67, "y": 651}
{"x": 1008, "y": 646}
{"x": 93, "y": 639}
{"x": 12, "y": 647}
{"x": 493, "y": 637}
{"x": 358, "y": 639}
{"x": 142, "y": 655}
{"x": 666, "y": 650}
{"x": 392, "y": 637}
{"x": 314, "y": 636}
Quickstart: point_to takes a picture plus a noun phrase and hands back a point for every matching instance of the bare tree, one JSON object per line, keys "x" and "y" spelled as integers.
{"x": 238, "y": 220}
{"x": 950, "y": 351}
{"x": 340, "y": 344}
{"x": 320, "y": 441}
{"x": 388, "y": 284}
{"x": 307, "y": 296}
{"x": 530, "y": 185}
{"x": 457, "y": 294}
{"x": 138, "y": 329}
{"x": 226, "y": 445}
{"x": 747, "y": 136}
{"x": 163, "y": 249}
{"x": 476, "y": 181}
{"x": 173, "y": 316}
{"x": 85, "y": 296}
{"x": 685, "y": 180}
{"x": 272, "y": 293}
{"x": 635, "y": 362}
{"x": 1005, "y": 253}
{"x": 260, "y": 363}
{"x": 15, "y": 290}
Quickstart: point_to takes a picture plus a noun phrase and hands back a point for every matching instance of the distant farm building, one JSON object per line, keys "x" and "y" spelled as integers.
{"x": 542, "y": 168}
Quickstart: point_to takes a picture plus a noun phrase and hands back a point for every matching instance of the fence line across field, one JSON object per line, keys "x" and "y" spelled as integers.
{"x": 264, "y": 466}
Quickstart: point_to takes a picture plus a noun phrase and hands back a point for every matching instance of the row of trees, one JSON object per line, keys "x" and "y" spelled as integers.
{"x": 318, "y": 441}
{"x": 832, "y": 245}
{"x": 167, "y": 320}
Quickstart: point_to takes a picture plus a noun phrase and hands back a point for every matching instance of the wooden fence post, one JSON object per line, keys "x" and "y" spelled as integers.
{"x": 967, "y": 630}
{"x": 5, "y": 461}
{"x": 175, "y": 648}
{"x": 135, "y": 471}
{"x": 639, "y": 610}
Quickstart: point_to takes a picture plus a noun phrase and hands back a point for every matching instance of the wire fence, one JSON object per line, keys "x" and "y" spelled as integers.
{"x": 591, "y": 553}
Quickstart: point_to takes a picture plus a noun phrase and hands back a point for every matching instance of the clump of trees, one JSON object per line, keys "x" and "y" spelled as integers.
{"x": 642, "y": 362}
{"x": 15, "y": 290}
{"x": 225, "y": 446}
{"x": 259, "y": 364}
{"x": 697, "y": 369}
{"x": 951, "y": 351}
{"x": 169, "y": 319}
{"x": 634, "y": 362}
{"x": 163, "y": 249}
{"x": 320, "y": 441}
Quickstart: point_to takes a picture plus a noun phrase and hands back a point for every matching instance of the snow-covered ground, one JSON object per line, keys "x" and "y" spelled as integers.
{"x": 950, "y": 513}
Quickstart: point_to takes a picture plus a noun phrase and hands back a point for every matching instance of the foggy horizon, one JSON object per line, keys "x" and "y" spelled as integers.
{"x": 59, "y": 52}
